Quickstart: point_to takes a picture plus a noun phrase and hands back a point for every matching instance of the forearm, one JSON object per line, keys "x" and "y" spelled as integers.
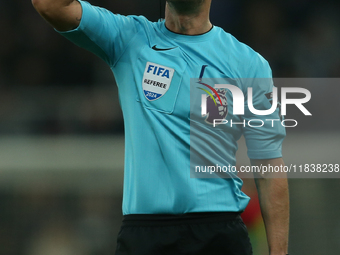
{"x": 44, "y": 5}
{"x": 52, "y": 2}
{"x": 274, "y": 202}
{"x": 61, "y": 14}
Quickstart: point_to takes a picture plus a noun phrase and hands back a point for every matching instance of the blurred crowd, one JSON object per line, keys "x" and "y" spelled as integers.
{"x": 39, "y": 222}
{"x": 299, "y": 38}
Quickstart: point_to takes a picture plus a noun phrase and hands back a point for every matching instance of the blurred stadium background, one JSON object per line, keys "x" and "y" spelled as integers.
{"x": 62, "y": 140}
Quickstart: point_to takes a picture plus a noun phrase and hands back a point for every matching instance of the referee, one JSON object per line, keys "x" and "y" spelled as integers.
{"x": 166, "y": 211}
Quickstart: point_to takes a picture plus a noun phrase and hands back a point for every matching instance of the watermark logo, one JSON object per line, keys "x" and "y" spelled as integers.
{"x": 215, "y": 106}
{"x": 239, "y": 98}
{"x": 239, "y": 105}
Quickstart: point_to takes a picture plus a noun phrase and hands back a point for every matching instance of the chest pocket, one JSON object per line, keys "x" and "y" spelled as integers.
{"x": 159, "y": 78}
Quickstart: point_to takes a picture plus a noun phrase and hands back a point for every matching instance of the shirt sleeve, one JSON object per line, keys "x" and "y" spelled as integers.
{"x": 105, "y": 34}
{"x": 263, "y": 142}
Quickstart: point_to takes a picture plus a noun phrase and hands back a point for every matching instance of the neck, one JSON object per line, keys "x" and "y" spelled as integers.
{"x": 186, "y": 19}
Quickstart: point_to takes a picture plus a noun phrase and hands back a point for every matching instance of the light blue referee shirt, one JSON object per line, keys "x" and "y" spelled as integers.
{"x": 153, "y": 68}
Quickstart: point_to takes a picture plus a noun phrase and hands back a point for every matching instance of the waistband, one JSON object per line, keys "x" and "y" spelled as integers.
{"x": 178, "y": 219}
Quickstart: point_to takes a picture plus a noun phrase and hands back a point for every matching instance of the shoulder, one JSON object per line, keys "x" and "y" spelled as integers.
{"x": 92, "y": 12}
{"x": 247, "y": 59}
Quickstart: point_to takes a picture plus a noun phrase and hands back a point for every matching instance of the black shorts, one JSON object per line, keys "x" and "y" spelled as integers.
{"x": 190, "y": 234}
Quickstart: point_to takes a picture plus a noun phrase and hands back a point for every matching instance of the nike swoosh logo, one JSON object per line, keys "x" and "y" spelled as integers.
{"x": 158, "y": 49}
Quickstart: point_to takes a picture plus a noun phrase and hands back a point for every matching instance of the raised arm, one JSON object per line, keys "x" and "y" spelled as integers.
{"x": 63, "y": 15}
